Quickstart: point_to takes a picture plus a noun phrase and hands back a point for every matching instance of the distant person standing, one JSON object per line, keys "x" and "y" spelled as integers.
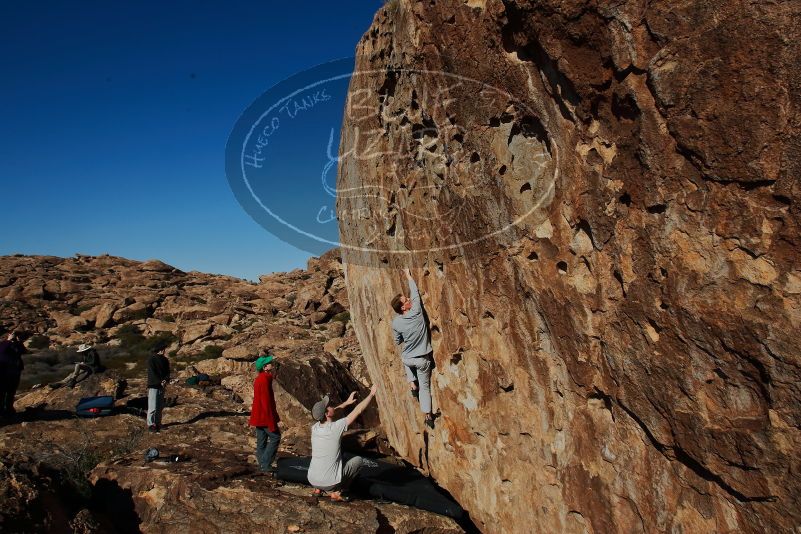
{"x": 11, "y": 351}
{"x": 89, "y": 365}
{"x": 263, "y": 414}
{"x": 158, "y": 374}
{"x": 409, "y": 328}
{"x": 326, "y": 472}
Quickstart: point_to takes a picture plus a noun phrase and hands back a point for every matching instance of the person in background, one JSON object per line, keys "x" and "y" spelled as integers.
{"x": 263, "y": 414}
{"x": 158, "y": 374}
{"x": 326, "y": 472}
{"x": 83, "y": 369}
{"x": 410, "y": 329}
{"x": 11, "y": 365}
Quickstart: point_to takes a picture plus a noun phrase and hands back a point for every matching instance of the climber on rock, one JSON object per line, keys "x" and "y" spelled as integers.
{"x": 409, "y": 327}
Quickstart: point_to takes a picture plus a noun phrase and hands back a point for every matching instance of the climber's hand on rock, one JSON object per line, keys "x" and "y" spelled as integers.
{"x": 352, "y": 398}
{"x": 373, "y": 390}
{"x": 413, "y": 386}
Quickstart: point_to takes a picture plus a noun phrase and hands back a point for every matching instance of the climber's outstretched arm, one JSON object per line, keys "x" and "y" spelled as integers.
{"x": 357, "y": 411}
{"x": 414, "y": 293}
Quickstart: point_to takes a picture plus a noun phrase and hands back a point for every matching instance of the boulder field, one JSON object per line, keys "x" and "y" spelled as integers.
{"x": 600, "y": 203}
{"x": 59, "y": 473}
{"x": 64, "y": 302}
{"x": 65, "y": 474}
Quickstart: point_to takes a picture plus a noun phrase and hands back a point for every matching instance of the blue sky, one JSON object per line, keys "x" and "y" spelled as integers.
{"x": 114, "y": 119}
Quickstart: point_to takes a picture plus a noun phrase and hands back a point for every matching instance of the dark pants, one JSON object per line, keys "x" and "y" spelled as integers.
{"x": 266, "y": 447}
{"x": 9, "y": 382}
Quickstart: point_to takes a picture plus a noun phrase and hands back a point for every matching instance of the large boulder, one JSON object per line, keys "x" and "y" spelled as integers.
{"x": 137, "y": 310}
{"x": 68, "y": 322}
{"x": 105, "y": 315}
{"x": 35, "y": 289}
{"x": 190, "y": 313}
{"x": 194, "y": 331}
{"x": 154, "y": 326}
{"x": 308, "y": 298}
{"x": 600, "y": 203}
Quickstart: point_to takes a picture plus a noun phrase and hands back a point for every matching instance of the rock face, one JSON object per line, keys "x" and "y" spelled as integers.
{"x": 608, "y": 247}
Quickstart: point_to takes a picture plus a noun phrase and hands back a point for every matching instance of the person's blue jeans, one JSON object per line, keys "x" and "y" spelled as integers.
{"x": 155, "y": 404}
{"x": 266, "y": 447}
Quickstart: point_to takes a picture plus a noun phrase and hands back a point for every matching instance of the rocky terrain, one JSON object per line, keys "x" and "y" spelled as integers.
{"x": 68, "y": 301}
{"x": 600, "y": 202}
{"x": 62, "y": 474}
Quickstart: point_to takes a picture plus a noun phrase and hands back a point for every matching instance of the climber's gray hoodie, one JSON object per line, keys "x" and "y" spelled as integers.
{"x": 411, "y": 329}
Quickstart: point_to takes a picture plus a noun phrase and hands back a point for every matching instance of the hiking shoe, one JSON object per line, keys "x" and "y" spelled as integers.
{"x": 339, "y": 497}
{"x": 152, "y": 428}
{"x": 430, "y": 422}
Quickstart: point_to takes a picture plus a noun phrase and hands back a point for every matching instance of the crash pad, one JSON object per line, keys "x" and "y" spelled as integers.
{"x": 95, "y": 406}
{"x": 383, "y": 480}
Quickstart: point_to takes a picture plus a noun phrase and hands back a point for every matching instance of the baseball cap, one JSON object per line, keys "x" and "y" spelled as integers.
{"x": 262, "y": 361}
{"x": 318, "y": 410}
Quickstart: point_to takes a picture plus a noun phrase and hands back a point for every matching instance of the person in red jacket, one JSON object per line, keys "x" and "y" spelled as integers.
{"x": 263, "y": 414}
